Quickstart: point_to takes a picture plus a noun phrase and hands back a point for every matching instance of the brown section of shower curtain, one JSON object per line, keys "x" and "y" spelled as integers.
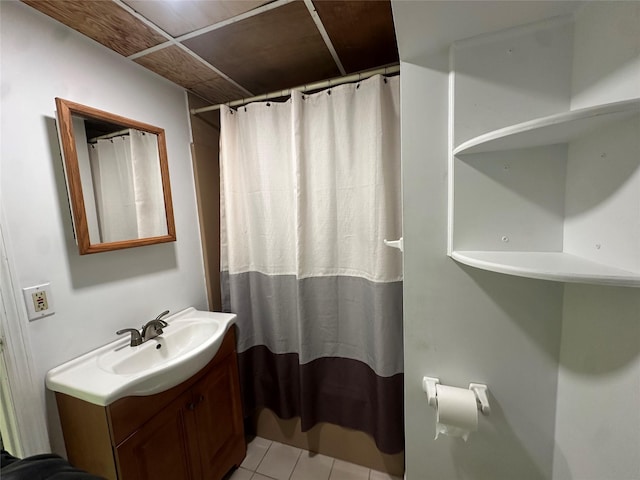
{"x": 335, "y": 390}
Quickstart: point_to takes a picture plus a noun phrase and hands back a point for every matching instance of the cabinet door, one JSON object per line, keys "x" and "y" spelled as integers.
{"x": 159, "y": 449}
{"x": 218, "y": 416}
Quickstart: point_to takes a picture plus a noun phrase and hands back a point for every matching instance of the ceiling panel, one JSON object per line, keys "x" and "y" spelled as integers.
{"x": 259, "y": 46}
{"x": 105, "y": 22}
{"x": 277, "y": 49}
{"x": 361, "y": 32}
{"x": 181, "y": 17}
{"x": 178, "y": 66}
{"x": 218, "y": 91}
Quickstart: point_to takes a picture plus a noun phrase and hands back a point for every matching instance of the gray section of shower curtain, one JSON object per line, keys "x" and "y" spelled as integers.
{"x": 316, "y": 317}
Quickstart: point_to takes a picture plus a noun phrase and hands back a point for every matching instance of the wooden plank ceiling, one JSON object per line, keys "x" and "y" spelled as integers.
{"x": 229, "y": 50}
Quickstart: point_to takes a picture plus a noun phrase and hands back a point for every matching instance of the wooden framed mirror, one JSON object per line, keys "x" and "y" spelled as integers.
{"x": 117, "y": 177}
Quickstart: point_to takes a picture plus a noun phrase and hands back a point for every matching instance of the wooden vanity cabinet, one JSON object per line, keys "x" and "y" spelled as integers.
{"x": 193, "y": 431}
{"x": 160, "y": 448}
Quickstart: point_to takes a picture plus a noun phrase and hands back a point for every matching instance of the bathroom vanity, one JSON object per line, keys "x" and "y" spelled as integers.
{"x": 193, "y": 430}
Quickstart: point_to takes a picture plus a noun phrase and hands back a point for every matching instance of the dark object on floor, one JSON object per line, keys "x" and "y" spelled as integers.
{"x": 40, "y": 467}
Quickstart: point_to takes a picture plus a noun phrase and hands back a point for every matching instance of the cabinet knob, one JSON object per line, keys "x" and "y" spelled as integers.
{"x": 192, "y": 405}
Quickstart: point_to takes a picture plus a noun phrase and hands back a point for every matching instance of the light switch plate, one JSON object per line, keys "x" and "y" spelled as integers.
{"x": 39, "y": 301}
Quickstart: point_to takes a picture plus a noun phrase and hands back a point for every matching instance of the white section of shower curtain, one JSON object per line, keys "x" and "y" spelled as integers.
{"x": 311, "y": 187}
{"x": 258, "y": 189}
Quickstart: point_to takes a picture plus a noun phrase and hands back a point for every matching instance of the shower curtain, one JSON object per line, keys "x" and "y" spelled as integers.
{"x": 127, "y": 185}
{"x": 310, "y": 189}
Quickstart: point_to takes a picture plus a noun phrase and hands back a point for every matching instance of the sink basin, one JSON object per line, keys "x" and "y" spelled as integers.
{"x": 117, "y": 370}
{"x": 176, "y": 343}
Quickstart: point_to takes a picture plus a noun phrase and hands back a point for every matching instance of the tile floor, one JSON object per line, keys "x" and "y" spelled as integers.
{"x": 267, "y": 460}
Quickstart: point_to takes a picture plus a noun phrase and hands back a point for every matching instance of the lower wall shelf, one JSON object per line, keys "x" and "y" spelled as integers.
{"x": 558, "y": 266}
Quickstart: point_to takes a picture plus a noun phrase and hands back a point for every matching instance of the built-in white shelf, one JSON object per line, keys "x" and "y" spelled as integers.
{"x": 551, "y": 130}
{"x": 537, "y": 189}
{"x": 558, "y": 266}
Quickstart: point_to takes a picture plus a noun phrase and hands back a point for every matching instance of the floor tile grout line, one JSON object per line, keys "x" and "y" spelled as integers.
{"x": 271, "y": 442}
{"x": 315, "y": 453}
{"x": 296, "y": 464}
{"x": 263, "y": 457}
{"x": 333, "y": 461}
{"x": 299, "y": 456}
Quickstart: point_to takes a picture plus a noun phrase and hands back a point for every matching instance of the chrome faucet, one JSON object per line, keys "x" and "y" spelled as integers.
{"x": 154, "y": 327}
{"x": 149, "y": 330}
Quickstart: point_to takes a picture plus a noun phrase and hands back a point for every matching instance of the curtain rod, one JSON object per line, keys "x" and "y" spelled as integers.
{"x": 107, "y": 136}
{"x": 303, "y": 88}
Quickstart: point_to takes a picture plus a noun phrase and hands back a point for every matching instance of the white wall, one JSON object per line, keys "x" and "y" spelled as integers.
{"x": 94, "y": 294}
{"x": 465, "y": 325}
{"x": 606, "y": 55}
{"x": 571, "y": 415}
{"x": 598, "y": 410}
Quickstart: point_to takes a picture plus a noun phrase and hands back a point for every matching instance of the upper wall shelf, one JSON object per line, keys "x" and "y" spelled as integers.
{"x": 551, "y": 130}
{"x": 537, "y": 189}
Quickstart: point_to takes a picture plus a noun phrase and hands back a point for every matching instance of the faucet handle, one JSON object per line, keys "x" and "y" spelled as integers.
{"x": 136, "y": 338}
{"x": 154, "y": 327}
{"x": 157, "y": 321}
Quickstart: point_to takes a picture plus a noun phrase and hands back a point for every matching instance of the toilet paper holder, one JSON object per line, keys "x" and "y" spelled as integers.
{"x": 479, "y": 389}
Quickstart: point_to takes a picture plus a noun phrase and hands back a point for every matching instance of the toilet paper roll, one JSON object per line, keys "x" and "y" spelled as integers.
{"x": 457, "y": 412}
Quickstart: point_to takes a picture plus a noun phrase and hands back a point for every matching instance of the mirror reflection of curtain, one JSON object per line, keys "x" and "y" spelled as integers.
{"x": 113, "y": 186}
{"x": 86, "y": 178}
{"x": 128, "y": 187}
{"x": 147, "y": 181}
